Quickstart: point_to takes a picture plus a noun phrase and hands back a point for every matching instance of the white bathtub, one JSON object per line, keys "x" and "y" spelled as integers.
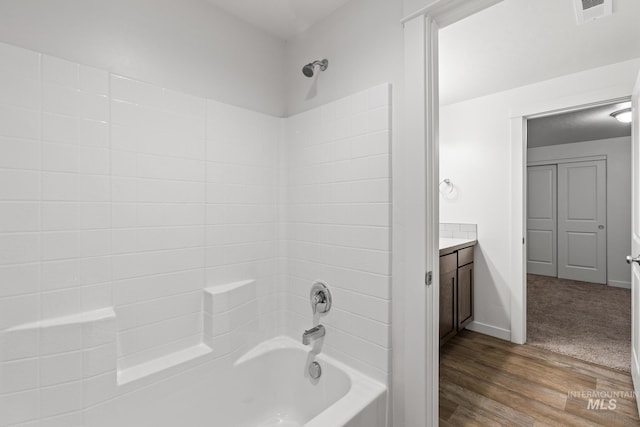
{"x": 267, "y": 387}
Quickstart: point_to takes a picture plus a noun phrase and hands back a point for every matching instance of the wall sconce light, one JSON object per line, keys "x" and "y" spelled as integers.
{"x": 623, "y": 116}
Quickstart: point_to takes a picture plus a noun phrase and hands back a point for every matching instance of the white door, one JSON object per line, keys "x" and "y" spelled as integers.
{"x": 582, "y": 220}
{"x": 635, "y": 240}
{"x": 541, "y": 220}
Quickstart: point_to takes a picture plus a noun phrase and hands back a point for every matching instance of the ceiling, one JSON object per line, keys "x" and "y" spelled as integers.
{"x": 519, "y": 42}
{"x": 281, "y": 18}
{"x": 577, "y": 126}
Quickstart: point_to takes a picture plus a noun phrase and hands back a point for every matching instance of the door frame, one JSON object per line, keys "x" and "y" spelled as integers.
{"x": 415, "y": 311}
{"x": 518, "y": 125}
{"x": 415, "y": 303}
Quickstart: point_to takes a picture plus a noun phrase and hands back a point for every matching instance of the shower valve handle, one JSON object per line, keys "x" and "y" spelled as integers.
{"x": 320, "y": 298}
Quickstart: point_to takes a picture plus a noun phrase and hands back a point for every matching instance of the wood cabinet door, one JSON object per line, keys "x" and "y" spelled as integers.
{"x": 447, "y": 305}
{"x": 465, "y": 295}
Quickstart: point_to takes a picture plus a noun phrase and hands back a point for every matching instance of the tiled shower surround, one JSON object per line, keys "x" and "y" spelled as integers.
{"x": 338, "y": 211}
{"x": 126, "y": 208}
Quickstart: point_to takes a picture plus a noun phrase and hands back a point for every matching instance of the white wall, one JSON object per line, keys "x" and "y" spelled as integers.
{"x": 618, "y": 152}
{"x": 363, "y": 43}
{"x": 475, "y": 153}
{"x": 187, "y": 45}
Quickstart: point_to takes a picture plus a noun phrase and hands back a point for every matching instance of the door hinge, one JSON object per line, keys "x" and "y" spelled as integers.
{"x": 428, "y": 279}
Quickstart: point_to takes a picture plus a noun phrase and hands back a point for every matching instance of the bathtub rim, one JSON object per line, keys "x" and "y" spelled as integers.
{"x": 363, "y": 390}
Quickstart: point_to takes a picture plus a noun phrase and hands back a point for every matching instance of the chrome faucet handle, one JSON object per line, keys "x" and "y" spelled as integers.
{"x": 320, "y": 298}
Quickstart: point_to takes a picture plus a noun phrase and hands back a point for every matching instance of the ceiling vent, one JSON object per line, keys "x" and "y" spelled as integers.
{"x": 588, "y": 10}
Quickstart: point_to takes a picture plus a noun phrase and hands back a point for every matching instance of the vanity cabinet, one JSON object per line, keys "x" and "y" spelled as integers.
{"x": 448, "y": 296}
{"x": 456, "y": 291}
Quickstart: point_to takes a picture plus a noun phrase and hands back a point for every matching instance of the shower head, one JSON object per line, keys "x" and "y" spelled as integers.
{"x": 309, "y": 69}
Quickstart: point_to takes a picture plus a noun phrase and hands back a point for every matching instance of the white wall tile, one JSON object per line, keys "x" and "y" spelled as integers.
{"x": 94, "y": 80}
{"x": 59, "y": 245}
{"x": 20, "y": 92}
{"x": 94, "y": 188}
{"x": 72, "y": 419}
{"x": 59, "y": 274}
{"x": 93, "y": 161}
{"x": 59, "y": 128}
{"x": 60, "y": 338}
{"x": 92, "y": 106}
{"x": 95, "y": 297}
{"x": 60, "y": 399}
{"x": 19, "y": 407}
{"x": 338, "y": 224}
{"x": 60, "y": 72}
{"x": 19, "y": 344}
{"x": 60, "y": 368}
{"x": 92, "y": 133}
{"x": 60, "y": 303}
{"x": 99, "y": 360}
{"x": 136, "y": 92}
{"x": 19, "y": 375}
{"x": 19, "y": 279}
{"x": 60, "y": 157}
{"x": 99, "y": 389}
{"x": 59, "y": 186}
{"x": 19, "y": 248}
{"x": 19, "y": 185}
{"x": 94, "y": 215}
{"x": 19, "y": 153}
{"x": 60, "y": 100}
{"x": 15, "y": 217}
{"x": 19, "y": 310}
{"x": 19, "y": 122}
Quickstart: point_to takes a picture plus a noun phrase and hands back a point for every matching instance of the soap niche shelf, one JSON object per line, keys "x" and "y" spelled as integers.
{"x": 229, "y": 315}
{"x": 226, "y": 308}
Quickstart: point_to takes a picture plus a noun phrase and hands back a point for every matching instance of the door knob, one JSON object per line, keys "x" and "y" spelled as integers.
{"x": 631, "y": 259}
{"x": 601, "y": 227}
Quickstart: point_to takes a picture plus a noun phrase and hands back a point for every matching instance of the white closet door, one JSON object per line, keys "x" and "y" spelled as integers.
{"x": 541, "y": 220}
{"x": 582, "y": 220}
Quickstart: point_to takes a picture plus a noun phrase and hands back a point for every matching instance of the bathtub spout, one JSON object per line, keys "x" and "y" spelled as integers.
{"x": 313, "y": 334}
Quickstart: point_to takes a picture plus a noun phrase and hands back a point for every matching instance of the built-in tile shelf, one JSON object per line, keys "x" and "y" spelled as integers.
{"x": 162, "y": 364}
{"x": 228, "y": 309}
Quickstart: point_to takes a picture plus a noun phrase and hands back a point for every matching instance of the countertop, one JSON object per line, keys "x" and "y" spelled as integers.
{"x": 448, "y": 245}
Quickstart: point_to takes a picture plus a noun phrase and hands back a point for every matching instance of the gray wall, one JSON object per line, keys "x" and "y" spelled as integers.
{"x": 187, "y": 45}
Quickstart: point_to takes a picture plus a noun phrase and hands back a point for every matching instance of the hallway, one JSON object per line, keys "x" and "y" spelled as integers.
{"x": 587, "y": 321}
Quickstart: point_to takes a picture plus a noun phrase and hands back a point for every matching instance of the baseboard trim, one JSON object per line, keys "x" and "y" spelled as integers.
{"x": 483, "y": 328}
{"x": 619, "y": 284}
{"x": 635, "y": 375}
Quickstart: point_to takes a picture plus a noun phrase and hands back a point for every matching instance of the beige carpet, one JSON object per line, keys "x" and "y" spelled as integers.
{"x": 585, "y": 320}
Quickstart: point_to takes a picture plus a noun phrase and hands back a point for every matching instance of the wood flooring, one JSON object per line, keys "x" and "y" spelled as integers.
{"x": 485, "y": 381}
